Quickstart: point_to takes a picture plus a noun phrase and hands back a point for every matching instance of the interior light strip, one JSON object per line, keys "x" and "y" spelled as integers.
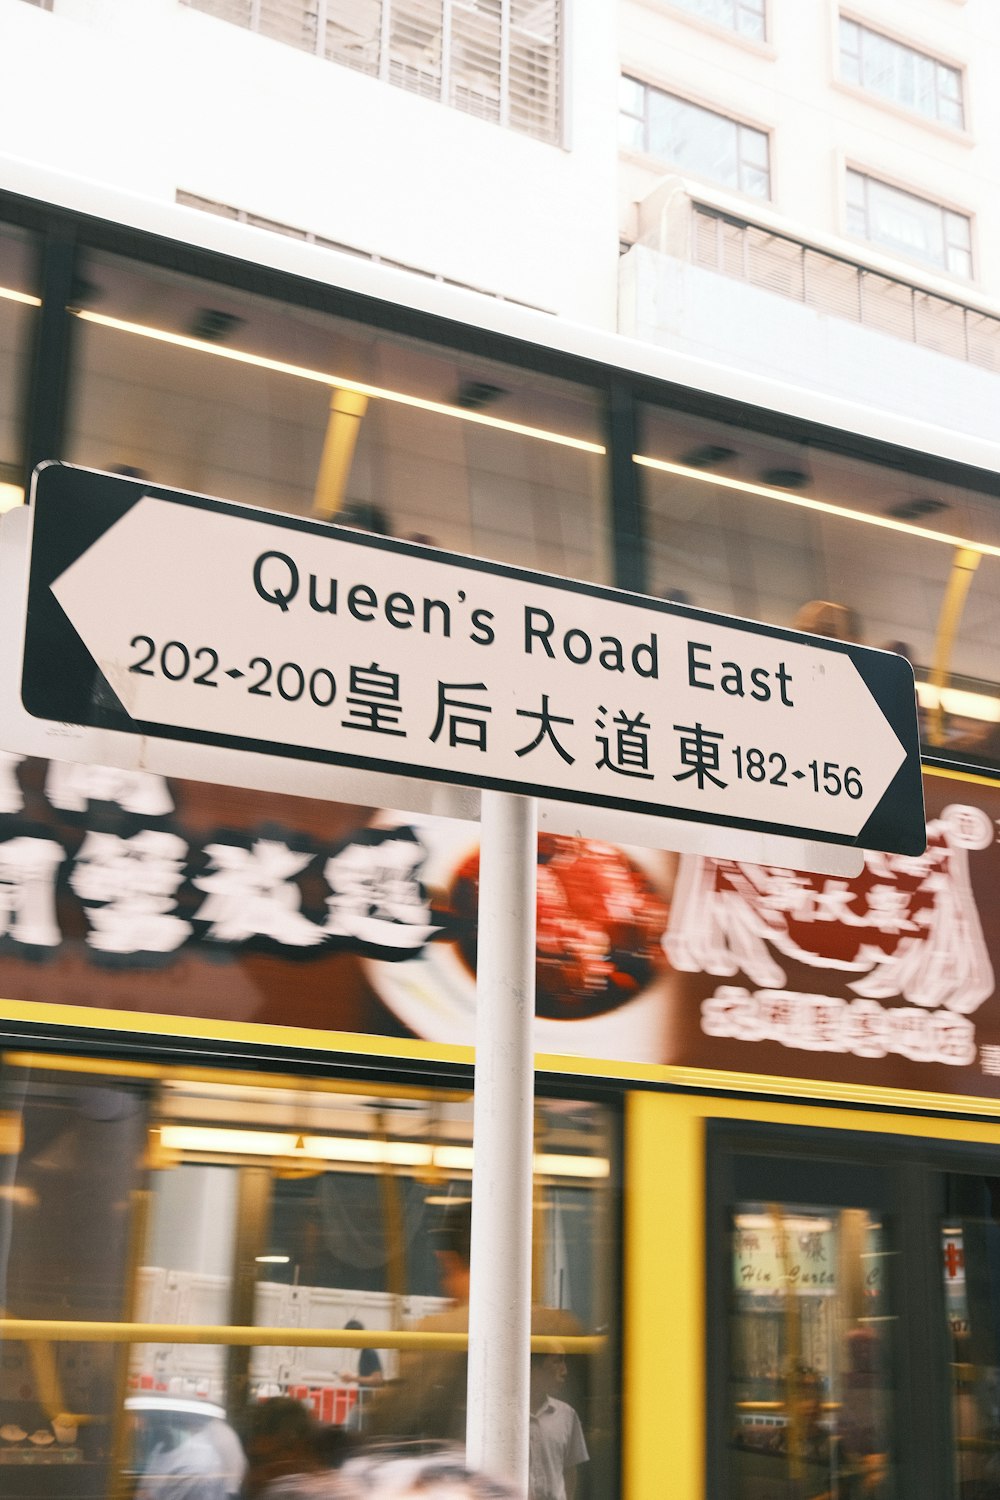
{"x": 8, "y": 294}
{"x": 336, "y": 382}
{"x": 887, "y": 523}
{"x": 219, "y": 1140}
{"x": 959, "y": 702}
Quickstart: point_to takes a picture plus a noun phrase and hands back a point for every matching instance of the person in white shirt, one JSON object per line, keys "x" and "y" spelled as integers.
{"x": 556, "y": 1446}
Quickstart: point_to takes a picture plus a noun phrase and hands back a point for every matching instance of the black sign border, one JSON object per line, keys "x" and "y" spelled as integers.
{"x": 74, "y": 507}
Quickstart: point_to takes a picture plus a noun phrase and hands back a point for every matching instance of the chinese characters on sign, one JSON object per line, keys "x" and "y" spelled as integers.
{"x": 189, "y": 619}
{"x": 125, "y": 890}
{"x": 148, "y": 892}
{"x": 904, "y": 943}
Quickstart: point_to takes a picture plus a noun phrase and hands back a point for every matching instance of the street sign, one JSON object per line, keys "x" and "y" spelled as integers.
{"x": 170, "y": 615}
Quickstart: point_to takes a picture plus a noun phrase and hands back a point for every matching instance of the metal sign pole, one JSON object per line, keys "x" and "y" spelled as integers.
{"x": 503, "y": 1112}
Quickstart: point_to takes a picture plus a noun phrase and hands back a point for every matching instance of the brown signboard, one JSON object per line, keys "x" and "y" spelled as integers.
{"x": 123, "y": 891}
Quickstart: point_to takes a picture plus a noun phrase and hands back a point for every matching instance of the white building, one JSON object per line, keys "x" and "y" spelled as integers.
{"x": 807, "y": 191}
{"x": 804, "y": 191}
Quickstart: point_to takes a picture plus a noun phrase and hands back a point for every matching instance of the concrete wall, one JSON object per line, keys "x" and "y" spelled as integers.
{"x": 151, "y": 96}
{"x": 710, "y": 316}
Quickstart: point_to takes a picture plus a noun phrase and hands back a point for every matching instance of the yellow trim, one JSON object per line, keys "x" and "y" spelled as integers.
{"x": 61, "y": 1062}
{"x": 973, "y": 776}
{"x": 663, "y": 1075}
{"x": 663, "y": 1385}
{"x": 664, "y": 1335}
{"x": 196, "y": 1028}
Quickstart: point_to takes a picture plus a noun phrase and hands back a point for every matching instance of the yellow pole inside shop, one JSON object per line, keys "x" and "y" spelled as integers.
{"x": 94, "y": 1332}
{"x": 964, "y": 564}
{"x": 347, "y": 408}
{"x": 663, "y": 1365}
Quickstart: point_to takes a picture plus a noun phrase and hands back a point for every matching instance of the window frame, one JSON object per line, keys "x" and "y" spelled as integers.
{"x": 946, "y": 211}
{"x": 914, "y": 1168}
{"x": 750, "y": 8}
{"x": 434, "y": 78}
{"x": 903, "y": 53}
{"x": 742, "y": 129}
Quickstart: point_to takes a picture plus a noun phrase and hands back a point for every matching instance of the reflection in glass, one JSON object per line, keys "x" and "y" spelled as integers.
{"x": 18, "y": 303}
{"x": 330, "y": 1218}
{"x": 797, "y": 535}
{"x": 71, "y": 1152}
{"x": 810, "y": 1406}
{"x": 970, "y": 1269}
{"x": 198, "y": 387}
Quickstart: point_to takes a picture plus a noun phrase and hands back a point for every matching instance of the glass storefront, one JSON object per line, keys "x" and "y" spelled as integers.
{"x": 799, "y": 535}
{"x": 19, "y": 303}
{"x": 315, "y": 1212}
{"x": 201, "y": 388}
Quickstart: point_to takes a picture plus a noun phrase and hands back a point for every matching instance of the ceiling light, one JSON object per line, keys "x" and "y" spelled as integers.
{"x": 786, "y": 479}
{"x": 8, "y": 294}
{"x": 910, "y": 510}
{"x": 210, "y": 324}
{"x": 336, "y": 382}
{"x": 959, "y": 703}
{"x": 708, "y": 454}
{"x": 365, "y": 1151}
{"x": 887, "y": 523}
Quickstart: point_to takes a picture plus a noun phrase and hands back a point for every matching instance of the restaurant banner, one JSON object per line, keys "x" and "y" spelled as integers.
{"x": 125, "y": 891}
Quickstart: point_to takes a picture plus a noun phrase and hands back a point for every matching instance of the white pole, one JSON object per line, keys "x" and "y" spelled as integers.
{"x": 500, "y": 1293}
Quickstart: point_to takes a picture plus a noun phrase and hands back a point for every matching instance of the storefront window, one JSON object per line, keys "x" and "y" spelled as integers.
{"x": 970, "y": 1268}
{"x": 202, "y": 388}
{"x": 810, "y": 1399}
{"x": 19, "y": 302}
{"x": 330, "y": 1218}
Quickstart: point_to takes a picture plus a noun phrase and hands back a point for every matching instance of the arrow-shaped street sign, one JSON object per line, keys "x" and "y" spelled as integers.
{"x": 177, "y": 616}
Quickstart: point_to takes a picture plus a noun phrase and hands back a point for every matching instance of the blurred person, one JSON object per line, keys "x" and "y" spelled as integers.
{"x": 556, "y": 1447}
{"x": 839, "y": 622}
{"x": 428, "y": 1400}
{"x": 369, "y": 1372}
{"x": 192, "y": 1455}
{"x": 285, "y": 1454}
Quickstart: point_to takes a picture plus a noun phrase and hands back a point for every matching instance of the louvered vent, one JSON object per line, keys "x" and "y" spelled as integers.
{"x": 497, "y": 59}
{"x": 831, "y": 284}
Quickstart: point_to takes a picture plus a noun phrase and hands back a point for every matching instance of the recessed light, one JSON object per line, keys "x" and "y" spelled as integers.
{"x": 786, "y": 479}
{"x": 919, "y": 505}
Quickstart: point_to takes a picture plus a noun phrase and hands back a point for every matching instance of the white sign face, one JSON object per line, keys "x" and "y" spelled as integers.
{"x": 238, "y": 627}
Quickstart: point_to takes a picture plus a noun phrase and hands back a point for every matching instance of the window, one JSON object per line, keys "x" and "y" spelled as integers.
{"x": 853, "y": 1318}
{"x": 792, "y": 533}
{"x": 180, "y": 1205}
{"x": 745, "y": 16}
{"x": 909, "y": 225}
{"x": 18, "y": 317}
{"x": 498, "y": 59}
{"x": 203, "y": 388}
{"x": 901, "y": 74}
{"x": 694, "y": 139}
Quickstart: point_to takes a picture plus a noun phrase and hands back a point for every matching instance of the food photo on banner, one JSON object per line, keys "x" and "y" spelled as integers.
{"x": 126, "y": 891}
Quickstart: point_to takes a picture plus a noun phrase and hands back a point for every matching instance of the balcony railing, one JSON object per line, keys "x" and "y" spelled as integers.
{"x": 833, "y": 284}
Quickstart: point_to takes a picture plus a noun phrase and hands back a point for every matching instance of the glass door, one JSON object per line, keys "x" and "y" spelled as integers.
{"x": 854, "y": 1317}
